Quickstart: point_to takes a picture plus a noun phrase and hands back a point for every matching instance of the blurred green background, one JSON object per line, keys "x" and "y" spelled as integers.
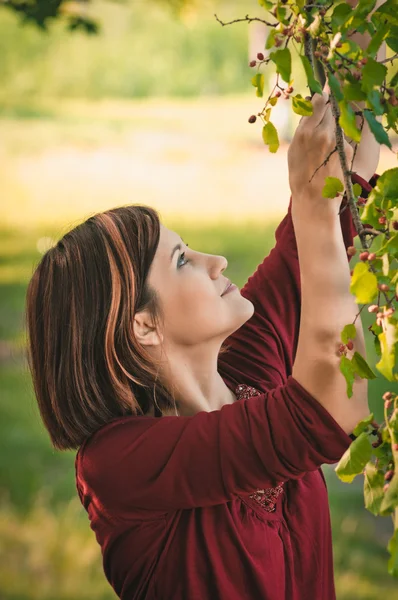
{"x": 153, "y": 110}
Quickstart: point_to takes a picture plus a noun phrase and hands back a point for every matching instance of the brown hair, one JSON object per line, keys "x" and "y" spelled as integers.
{"x": 87, "y": 367}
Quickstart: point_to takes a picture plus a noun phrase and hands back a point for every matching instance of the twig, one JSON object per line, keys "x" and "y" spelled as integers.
{"x": 324, "y": 162}
{"x": 248, "y": 19}
{"x": 359, "y": 312}
{"x": 388, "y": 59}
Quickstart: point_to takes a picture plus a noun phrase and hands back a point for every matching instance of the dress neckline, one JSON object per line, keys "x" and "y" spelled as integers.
{"x": 243, "y": 391}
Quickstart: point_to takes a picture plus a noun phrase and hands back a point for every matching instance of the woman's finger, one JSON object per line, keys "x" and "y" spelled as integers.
{"x": 327, "y": 120}
{"x": 319, "y": 107}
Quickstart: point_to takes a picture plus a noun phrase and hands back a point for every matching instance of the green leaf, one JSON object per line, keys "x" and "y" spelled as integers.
{"x": 369, "y": 212}
{"x": 361, "y": 367}
{"x": 353, "y": 91}
{"x": 357, "y": 188}
{"x": 258, "y": 82}
{"x": 363, "y": 284}
{"x": 391, "y": 245}
{"x": 388, "y": 340}
{"x": 301, "y": 106}
{"x": 335, "y": 87}
{"x": 364, "y": 7}
{"x": 313, "y": 84}
{"x": 374, "y": 97}
{"x": 363, "y": 425}
{"x": 332, "y": 186}
{"x": 340, "y": 15}
{"x": 283, "y": 60}
{"x": 392, "y": 547}
{"x": 377, "y": 128}
{"x": 347, "y": 370}
{"x": 387, "y": 184}
{"x": 394, "y": 80}
{"x": 377, "y": 40}
{"x": 270, "y": 137}
{"x": 386, "y": 12}
{"x": 383, "y": 452}
{"x": 377, "y": 243}
{"x": 265, "y": 4}
{"x": 354, "y": 459}
{"x": 394, "y": 425}
{"x": 392, "y": 121}
{"x": 349, "y": 333}
{"x": 390, "y": 500}
{"x": 377, "y": 347}
{"x": 347, "y": 122}
{"x": 373, "y": 488}
{"x": 281, "y": 14}
{"x": 270, "y": 43}
{"x": 392, "y": 41}
{"x": 376, "y": 328}
{"x": 373, "y": 74}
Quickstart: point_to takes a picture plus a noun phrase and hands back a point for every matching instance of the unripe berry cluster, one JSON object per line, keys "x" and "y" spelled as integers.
{"x": 344, "y": 347}
{"x": 278, "y": 93}
{"x": 389, "y": 475}
{"x": 387, "y": 396}
{"x": 380, "y": 315}
{"x": 361, "y": 62}
{"x": 367, "y": 256}
{"x": 253, "y": 62}
{"x": 373, "y": 308}
{"x": 322, "y": 52}
{"x": 393, "y": 100}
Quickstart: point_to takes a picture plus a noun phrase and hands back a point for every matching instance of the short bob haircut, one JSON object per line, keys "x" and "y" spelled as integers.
{"x": 86, "y": 365}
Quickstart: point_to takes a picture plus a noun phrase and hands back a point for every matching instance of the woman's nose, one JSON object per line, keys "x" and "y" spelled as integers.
{"x": 218, "y": 265}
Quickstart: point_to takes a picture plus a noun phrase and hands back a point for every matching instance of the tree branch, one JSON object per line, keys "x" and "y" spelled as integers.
{"x": 343, "y": 161}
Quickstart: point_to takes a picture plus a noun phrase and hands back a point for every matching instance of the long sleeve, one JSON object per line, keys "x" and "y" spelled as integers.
{"x": 202, "y": 460}
{"x": 262, "y": 351}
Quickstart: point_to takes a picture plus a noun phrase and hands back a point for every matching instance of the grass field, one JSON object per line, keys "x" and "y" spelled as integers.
{"x": 215, "y": 183}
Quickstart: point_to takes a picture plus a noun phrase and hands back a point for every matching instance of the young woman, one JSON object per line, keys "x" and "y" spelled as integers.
{"x": 202, "y": 414}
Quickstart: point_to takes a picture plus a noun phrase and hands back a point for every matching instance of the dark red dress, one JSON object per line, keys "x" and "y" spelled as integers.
{"x": 229, "y": 504}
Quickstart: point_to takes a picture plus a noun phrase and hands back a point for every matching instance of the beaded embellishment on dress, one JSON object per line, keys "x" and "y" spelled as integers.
{"x": 268, "y": 497}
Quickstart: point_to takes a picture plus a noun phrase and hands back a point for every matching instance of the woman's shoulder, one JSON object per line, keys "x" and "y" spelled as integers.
{"x": 106, "y": 437}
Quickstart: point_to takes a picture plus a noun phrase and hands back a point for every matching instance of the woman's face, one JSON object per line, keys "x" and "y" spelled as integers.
{"x": 190, "y": 285}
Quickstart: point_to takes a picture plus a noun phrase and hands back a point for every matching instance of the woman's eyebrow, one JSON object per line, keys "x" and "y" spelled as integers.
{"x": 177, "y": 247}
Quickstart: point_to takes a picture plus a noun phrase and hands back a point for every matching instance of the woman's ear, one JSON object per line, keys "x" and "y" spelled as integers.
{"x": 145, "y": 330}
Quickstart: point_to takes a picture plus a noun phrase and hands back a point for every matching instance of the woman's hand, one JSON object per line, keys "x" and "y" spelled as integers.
{"x": 312, "y": 142}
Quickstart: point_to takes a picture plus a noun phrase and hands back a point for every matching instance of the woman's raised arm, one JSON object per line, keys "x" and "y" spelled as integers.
{"x": 263, "y": 350}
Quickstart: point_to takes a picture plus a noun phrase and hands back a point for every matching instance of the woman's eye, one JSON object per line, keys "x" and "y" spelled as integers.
{"x": 182, "y": 256}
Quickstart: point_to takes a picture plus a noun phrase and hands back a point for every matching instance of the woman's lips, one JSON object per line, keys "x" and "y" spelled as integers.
{"x": 231, "y": 288}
